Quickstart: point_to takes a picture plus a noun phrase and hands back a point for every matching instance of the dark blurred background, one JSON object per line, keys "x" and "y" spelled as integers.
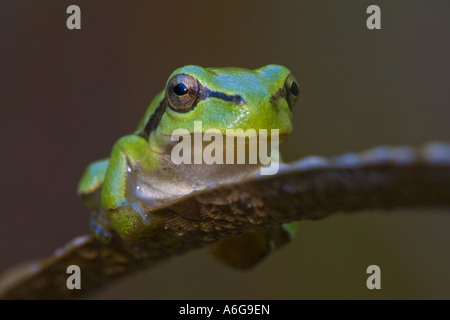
{"x": 67, "y": 95}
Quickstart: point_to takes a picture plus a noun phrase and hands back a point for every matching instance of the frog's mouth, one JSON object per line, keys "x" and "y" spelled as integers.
{"x": 227, "y": 141}
{"x": 259, "y": 137}
{"x": 281, "y": 137}
{"x": 232, "y": 149}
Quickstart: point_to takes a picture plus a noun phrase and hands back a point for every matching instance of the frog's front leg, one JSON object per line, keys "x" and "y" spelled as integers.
{"x": 89, "y": 189}
{"x": 123, "y": 210}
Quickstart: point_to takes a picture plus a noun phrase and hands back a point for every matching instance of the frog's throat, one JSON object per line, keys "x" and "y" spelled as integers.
{"x": 170, "y": 181}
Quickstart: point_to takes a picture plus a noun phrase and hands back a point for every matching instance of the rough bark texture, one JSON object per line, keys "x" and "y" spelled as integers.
{"x": 312, "y": 188}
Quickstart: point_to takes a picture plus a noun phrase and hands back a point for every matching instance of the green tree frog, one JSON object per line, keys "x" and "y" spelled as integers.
{"x": 139, "y": 173}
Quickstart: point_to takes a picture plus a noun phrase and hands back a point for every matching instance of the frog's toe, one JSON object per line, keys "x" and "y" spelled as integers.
{"x": 131, "y": 223}
{"x": 100, "y": 232}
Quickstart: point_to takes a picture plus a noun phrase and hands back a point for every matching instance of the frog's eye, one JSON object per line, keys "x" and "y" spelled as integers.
{"x": 292, "y": 90}
{"x": 182, "y": 91}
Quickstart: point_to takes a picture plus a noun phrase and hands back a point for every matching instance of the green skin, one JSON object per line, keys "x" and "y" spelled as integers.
{"x": 139, "y": 173}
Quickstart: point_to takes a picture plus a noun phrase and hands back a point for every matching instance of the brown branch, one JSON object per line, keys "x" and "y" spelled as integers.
{"x": 312, "y": 188}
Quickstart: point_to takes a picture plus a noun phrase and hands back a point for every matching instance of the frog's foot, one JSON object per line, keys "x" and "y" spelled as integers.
{"x": 246, "y": 250}
{"x": 99, "y": 227}
{"x": 131, "y": 222}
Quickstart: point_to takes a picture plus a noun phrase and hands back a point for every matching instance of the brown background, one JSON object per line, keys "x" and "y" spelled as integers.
{"x": 66, "y": 96}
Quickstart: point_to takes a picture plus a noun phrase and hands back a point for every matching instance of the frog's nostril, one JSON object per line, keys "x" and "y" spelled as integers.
{"x": 238, "y": 100}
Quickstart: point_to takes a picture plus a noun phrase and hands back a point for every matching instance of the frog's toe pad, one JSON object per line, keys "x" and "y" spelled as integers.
{"x": 100, "y": 232}
{"x": 131, "y": 222}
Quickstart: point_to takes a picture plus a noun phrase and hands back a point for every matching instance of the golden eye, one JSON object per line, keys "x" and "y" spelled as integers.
{"x": 292, "y": 90}
{"x": 182, "y": 91}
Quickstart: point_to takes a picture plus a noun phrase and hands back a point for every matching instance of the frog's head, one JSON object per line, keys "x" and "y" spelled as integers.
{"x": 222, "y": 98}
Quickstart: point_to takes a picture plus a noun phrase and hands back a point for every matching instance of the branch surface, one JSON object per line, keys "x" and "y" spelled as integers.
{"x": 382, "y": 178}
